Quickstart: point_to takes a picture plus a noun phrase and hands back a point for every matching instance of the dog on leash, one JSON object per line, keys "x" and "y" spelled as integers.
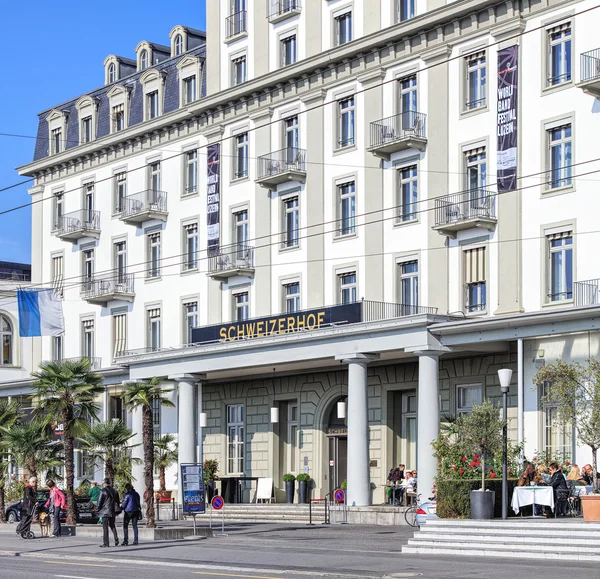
{"x": 45, "y": 524}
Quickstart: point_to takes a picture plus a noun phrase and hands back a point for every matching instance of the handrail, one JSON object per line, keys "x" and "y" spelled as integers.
{"x": 235, "y": 24}
{"x": 590, "y": 65}
{"x": 403, "y": 125}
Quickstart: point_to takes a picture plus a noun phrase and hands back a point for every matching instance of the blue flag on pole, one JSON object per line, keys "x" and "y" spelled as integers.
{"x": 40, "y": 313}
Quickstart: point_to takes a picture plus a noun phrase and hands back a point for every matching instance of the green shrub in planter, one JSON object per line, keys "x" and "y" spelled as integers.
{"x": 344, "y": 485}
{"x": 303, "y": 477}
{"x": 289, "y": 477}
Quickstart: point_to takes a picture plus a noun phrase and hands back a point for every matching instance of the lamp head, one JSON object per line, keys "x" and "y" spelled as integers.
{"x": 505, "y": 376}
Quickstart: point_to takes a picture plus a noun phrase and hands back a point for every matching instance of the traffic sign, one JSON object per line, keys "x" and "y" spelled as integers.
{"x": 339, "y": 496}
{"x": 217, "y": 503}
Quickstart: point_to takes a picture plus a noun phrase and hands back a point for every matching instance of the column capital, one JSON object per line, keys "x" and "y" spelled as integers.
{"x": 426, "y": 351}
{"x": 354, "y": 357}
{"x": 187, "y": 377}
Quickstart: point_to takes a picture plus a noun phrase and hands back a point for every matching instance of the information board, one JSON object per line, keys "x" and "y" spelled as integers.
{"x": 264, "y": 490}
{"x": 192, "y": 485}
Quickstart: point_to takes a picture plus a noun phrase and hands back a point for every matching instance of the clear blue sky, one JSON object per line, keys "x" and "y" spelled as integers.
{"x": 54, "y": 52}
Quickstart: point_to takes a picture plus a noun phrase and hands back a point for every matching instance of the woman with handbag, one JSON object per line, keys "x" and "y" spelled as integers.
{"x": 132, "y": 508}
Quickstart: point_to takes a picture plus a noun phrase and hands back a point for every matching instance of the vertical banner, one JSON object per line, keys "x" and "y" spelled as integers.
{"x": 213, "y": 197}
{"x": 508, "y": 75}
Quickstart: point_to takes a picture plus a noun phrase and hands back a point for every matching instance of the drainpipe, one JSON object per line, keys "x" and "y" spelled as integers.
{"x": 520, "y": 390}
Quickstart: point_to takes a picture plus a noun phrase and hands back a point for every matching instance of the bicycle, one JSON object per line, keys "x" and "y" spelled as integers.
{"x": 410, "y": 515}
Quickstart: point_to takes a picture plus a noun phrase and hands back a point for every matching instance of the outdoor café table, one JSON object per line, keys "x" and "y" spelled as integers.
{"x": 528, "y": 495}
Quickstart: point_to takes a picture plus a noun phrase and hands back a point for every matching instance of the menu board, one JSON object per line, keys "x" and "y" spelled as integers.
{"x": 192, "y": 485}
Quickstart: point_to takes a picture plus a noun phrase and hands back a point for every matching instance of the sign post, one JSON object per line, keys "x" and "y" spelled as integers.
{"x": 192, "y": 485}
{"x": 340, "y": 499}
{"x": 217, "y": 504}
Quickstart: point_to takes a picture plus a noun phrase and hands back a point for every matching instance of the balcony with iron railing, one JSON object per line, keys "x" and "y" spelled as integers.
{"x": 144, "y": 206}
{"x": 230, "y": 261}
{"x": 95, "y": 362}
{"x": 101, "y": 290}
{"x": 587, "y": 292}
{"x": 475, "y": 208}
{"x": 407, "y": 130}
{"x": 281, "y": 167}
{"x": 236, "y": 26}
{"x": 77, "y": 224}
{"x": 590, "y": 72}
{"x": 281, "y": 9}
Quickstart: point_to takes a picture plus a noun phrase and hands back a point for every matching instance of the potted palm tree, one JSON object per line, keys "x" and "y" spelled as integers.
{"x": 303, "y": 481}
{"x": 10, "y": 414}
{"x": 210, "y": 468}
{"x": 165, "y": 455}
{"x": 290, "y": 484}
{"x": 143, "y": 395}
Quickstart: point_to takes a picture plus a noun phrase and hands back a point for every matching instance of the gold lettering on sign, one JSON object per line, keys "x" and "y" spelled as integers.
{"x": 280, "y": 328}
{"x": 259, "y": 329}
{"x": 311, "y": 325}
{"x": 223, "y": 333}
{"x": 230, "y": 332}
{"x": 320, "y": 318}
{"x": 250, "y": 328}
{"x": 241, "y": 331}
{"x": 291, "y": 322}
{"x": 300, "y": 323}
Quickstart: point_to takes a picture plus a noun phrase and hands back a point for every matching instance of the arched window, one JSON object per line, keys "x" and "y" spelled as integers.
{"x": 112, "y": 73}
{"x": 6, "y": 337}
{"x": 178, "y": 45}
{"x": 144, "y": 60}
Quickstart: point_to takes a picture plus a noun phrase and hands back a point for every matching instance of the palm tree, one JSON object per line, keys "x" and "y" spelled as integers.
{"x": 66, "y": 390}
{"x": 165, "y": 455}
{"x": 10, "y": 413}
{"x": 106, "y": 441}
{"x": 145, "y": 395}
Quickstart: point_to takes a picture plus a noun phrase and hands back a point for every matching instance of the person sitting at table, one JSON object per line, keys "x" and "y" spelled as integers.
{"x": 542, "y": 478}
{"x": 395, "y": 493}
{"x": 528, "y": 476}
{"x": 575, "y": 476}
{"x": 587, "y": 474}
{"x": 561, "y": 490}
{"x": 410, "y": 483}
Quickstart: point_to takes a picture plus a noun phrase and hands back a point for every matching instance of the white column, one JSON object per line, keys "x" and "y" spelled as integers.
{"x": 199, "y": 410}
{"x": 428, "y": 420}
{"x": 359, "y": 482}
{"x": 520, "y": 391}
{"x": 105, "y": 404}
{"x": 137, "y": 470}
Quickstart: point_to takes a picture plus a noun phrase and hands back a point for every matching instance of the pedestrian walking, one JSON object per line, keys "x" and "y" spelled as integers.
{"x": 108, "y": 509}
{"x": 132, "y": 509}
{"x": 55, "y": 503}
{"x": 28, "y": 509}
{"x": 94, "y": 493}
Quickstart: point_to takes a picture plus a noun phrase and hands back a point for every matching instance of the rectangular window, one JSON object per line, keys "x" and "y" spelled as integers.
{"x": 58, "y": 274}
{"x": 475, "y": 280}
{"x": 117, "y": 410}
{"x": 347, "y": 286}
{"x": 58, "y": 211}
{"x": 153, "y": 256}
{"x": 88, "y": 203}
{"x": 120, "y": 185}
{"x": 240, "y": 227}
{"x": 240, "y": 160}
{"x": 152, "y": 105}
{"x": 560, "y": 158}
{"x": 154, "y": 177}
{"x": 120, "y": 261}
{"x": 241, "y": 307}
{"x": 405, "y": 9}
{"x": 346, "y": 122}
{"x": 156, "y": 412}
{"x": 560, "y": 268}
{"x": 235, "y": 439}
{"x": 408, "y": 102}
{"x": 476, "y": 165}
{"x": 476, "y": 81}
{"x": 119, "y": 335}
{"x": 288, "y": 50}
{"x": 190, "y": 234}
{"x": 347, "y": 208}
{"x": 191, "y": 172}
{"x": 118, "y": 118}
{"x": 56, "y": 141}
{"x": 190, "y": 320}
{"x": 292, "y": 297}
{"x": 86, "y": 130}
{"x": 407, "y": 194}
{"x": 409, "y": 286}
{"x": 88, "y": 265}
{"x": 343, "y": 28}
{"x": 559, "y": 54}
{"x": 467, "y": 396}
{"x": 291, "y": 222}
{"x": 57, "y": 348}
{"x": 189, "y": 90}
{"x": 557, "y": 437}
{"x": 154, "y": 329}
{"x": 291, "y": 137}
{"x": 238, "y": 70}
{"x": 87, "y": 339}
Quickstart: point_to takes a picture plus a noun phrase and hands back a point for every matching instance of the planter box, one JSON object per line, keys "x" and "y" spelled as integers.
{"x": 591, "y": 508}
{"x": 482, "y": 505}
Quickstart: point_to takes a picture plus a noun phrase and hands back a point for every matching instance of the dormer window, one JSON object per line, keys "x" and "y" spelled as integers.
{"x": 112, "y": 69}
{"x": 190, "y": 79}
{"x": 56, "y": 140}
{"x": 179, "y": 40}
{"x": 178, "y": 45}
{"x": 57, "y": 131}
{"x": 86, "y": 110}
{"x": 153, "y": 84}
{"x": 119, "y": 108}
{"x": 144, "y": 60}
{"x": 112, "y": 73}
{"x": 189, "y": 90}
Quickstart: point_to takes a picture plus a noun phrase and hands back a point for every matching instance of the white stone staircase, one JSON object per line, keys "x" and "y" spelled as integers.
{"x": 556, "y": 539}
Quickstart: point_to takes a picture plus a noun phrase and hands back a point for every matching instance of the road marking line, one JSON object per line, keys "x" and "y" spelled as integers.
{"x": 73, "y": 577}
{"x": 79, "y": 564}
{"x": 230, "y": 575}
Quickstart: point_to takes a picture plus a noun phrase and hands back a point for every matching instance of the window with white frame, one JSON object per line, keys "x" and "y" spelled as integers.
{"x": 178, "y": 44}
{"x": 560, "y": 158}
{"x": 156, "y": 417}
{"x": 58, "y": 210}
{"x": 118, "y": 118}
{"x": 6, "y": 338}
{"x": 409, "y": 286}
{"x": 190, "y": 320}
{"x": 88, "y": 202}
{"x": 405, "y": 9}
{"x": 240, "y": 159}
{"x": 154, "y": 176}
{"x": 119, "y": 334}
{"x": 235, "y": 439}
{"x": 120, "y": 189}
{"x": 241, "y": 227}
{"x": 559, "y": 58}
{"x": 407, "y": 194}
{"x": 189, "y": 89}
{"x": 112, "y": 73}
{"x": 288, "y": 50}
{"x": 153, "y": 252}
{"x": 58, "y": 274}
{"x": 476, "y": 80}
{"x": 144, "y": 60}
{"x": 475, "y": 280}
{"x": 56, "y": 141}
{"x": 477, "y": 199}
{"x": 557, "y": 436}
{"x": 343, "y": 28}
{"x": 120, "y": 261}
{"x": 86, "y": 130}
{"x": 152, "y": 105}
{"x": 153, "y": 326}
{"x": 292, "y": 297}
{"x": 88, "y": 257}
{"x": 347, "y": 287}
{"x": 468, "y": 396}
{"x": 560, "y": 266}
{"x": 345, "y": 136}
{"x": 190, "y": 240}
{"x": 347, "y": 208}
{"x": 408, "y": 102}
{"x": 87, "y": 339}
{"x": 291, "y": 222}
{"x": 238, "y": 70}
{"x": 241, "y": 307}
{"x": 57, "y": 348}
{"x": 191, "y": 172}
{"x": 291, "y": 136}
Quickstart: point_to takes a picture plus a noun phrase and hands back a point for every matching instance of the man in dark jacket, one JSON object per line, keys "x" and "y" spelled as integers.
{"x": 561, "y": 490}
{"x": 108, "y": 506}
{"x": 132, "y": 509}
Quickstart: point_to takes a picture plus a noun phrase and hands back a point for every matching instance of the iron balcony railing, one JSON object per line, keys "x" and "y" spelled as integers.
{"x": 235, "y": 24}
{"x": 237, "y": 256}
{"x": 143, "y": 202}
{"x": 401, "y": 126}
{"x": 471, "y": 204}
{"x": 376, "y": 311}
{"x": 590, "y": 65}
{"x": 14, "y": 276}
{"x": 95, "y": 362}
{"x": 81, "y": 220}
{"x": 98, "y": 287}
{"x": 280, "y": 7}
{"x": 277, "y": 162}
{"x": 587, "y": 293}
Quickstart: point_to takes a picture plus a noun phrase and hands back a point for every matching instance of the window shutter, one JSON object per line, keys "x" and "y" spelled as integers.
{"x": 120, "y": 328}
{"x": 154, "y": 313}
{"x": 475, "y": 265}
{"x": 560, "y": 28}
{"x": 88, "y": 324}
{"x": 561, "y": 235}
{"x": 475, "y": 56}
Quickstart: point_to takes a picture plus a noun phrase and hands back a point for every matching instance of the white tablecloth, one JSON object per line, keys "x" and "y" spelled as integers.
{"x": 523, "y": 496}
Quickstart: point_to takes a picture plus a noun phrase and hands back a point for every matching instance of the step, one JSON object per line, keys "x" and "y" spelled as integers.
{"x": 509, "y": 538}
{"x": 546, "y": 533}
{"x": 561, "y": 523}
{"x": 565, "y": 545}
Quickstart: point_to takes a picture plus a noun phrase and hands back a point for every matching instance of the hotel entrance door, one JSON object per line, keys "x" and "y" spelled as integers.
{"x": 338, "y": 461}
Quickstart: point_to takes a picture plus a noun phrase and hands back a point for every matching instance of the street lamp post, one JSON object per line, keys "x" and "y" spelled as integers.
{"x": 505, "y": 376}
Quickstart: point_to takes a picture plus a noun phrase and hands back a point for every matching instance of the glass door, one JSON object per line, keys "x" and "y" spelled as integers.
{"x": 409, "y": 429}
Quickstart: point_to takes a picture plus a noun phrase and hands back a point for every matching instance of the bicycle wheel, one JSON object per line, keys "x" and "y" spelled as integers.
{"x": 410, "y": 516}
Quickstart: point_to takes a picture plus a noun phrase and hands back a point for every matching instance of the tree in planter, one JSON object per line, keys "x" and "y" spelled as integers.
{"x": 10, "y": 414}
{"x": 575, "y": 391}
{"x": 210, "y": 468}
{"x": 289, "y": 480}
{"x": 143, "y": 395}
{"x": 303, "y": 482}
{"x": 66, "y": 390}
{"x": 165, "y": 455}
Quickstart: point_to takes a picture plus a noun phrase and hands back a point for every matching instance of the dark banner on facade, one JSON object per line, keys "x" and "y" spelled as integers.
{"x": 507, "y": 119}
{"x": 213, "y": 197}
{"x": 276, "y": 325}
